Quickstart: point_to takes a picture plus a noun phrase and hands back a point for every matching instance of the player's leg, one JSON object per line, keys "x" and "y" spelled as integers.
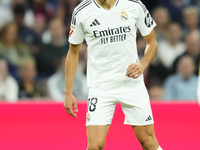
{"x": 99, "y": 117}
{"x": 146, "y": 137}
{"x": 137, "y": 110}
{"x": 97, "y": 136}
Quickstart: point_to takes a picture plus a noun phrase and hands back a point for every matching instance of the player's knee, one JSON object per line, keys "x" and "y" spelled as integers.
{"x": 95, "y": 146}
{"x": 148, "y": 142}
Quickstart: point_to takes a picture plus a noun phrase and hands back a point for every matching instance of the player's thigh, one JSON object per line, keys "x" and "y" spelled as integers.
{"x": 136, "y": 107}
{"x": 100, "y": 109}
{"x": 96, "y": 135}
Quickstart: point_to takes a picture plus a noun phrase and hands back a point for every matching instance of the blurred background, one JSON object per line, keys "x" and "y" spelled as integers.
{"x": 34, "y": 44}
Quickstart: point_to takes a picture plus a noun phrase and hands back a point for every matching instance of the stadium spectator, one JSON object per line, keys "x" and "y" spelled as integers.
{"x": 65, "y": 10}
{"x": 11, "y": 47}
{"x": 42, "y": 9}
{"x": 170, "y": 49}
{"x": 48, "y": 58}
{"x": 43, "y": 12}
{"x": 39, "y": 25}
{"x": 183, "y": 84}
{"x": 154, "y": 86}
{"x": 8, "y": 85}
{"x": 6, "y": 14}
{"x": 27, "y": 83}
{"x": 28, "y": 16}
{"x": 175, "y": 8}
{"x": 197, "y": 2}
{"x": 191, "y": 18}
{"x": 156, "y": 92}
{"x": 26, "y": 34}
{"x": 192, "y": 49}
{"x": 56, "y": 84}
{"x": 162, "y": 19}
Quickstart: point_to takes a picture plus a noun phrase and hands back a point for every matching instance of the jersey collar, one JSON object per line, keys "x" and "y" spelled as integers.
{"x": 116, "y": 3}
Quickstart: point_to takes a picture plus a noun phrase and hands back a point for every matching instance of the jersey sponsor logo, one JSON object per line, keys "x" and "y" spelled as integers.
{"x": 112, "y": 35}
{"x": 124, "y": 16}
{"x": 111, "y": 31}
{"x": 95, "y": 23}
{"x": 148, "y": 20}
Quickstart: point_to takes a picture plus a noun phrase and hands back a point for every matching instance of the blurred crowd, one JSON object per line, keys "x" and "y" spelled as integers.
{"x": 34, "y": 45}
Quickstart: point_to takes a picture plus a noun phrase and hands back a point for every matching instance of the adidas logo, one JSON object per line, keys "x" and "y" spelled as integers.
{"x": 95, "y": 23}
{"x": 149, "y": 118}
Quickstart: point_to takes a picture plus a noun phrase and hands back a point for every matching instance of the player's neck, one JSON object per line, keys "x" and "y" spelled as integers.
{"x": 106, "y": 4}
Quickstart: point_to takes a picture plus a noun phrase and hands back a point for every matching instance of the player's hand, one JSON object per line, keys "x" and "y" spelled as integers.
{"x": 135, "y": 70}
{"x": 70, "y": 105}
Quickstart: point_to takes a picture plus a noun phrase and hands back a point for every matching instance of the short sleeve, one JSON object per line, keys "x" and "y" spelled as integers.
{"x": 145, "y": 23}
{"x": 76, "y": 34}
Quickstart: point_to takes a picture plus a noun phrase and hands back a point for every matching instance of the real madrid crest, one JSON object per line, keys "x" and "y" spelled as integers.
{"x": 88, "y": 117}
{"x": 124, "y": 16}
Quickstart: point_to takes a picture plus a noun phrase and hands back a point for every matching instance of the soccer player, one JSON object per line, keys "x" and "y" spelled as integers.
{"x": 114, "y": 72}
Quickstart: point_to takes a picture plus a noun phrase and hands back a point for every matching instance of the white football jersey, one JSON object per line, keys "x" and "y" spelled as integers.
{"x": 111, "y": 38}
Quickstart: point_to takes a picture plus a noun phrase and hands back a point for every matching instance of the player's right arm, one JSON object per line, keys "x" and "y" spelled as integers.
{"x": 70, "y": 71}
{"x": 76, "y": 37}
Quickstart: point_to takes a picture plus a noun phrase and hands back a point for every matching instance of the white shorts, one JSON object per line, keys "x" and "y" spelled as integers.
{"x": 135, "y": 105}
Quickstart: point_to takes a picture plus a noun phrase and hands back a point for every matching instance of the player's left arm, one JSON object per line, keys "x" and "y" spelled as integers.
{"x": 134, "y": 70}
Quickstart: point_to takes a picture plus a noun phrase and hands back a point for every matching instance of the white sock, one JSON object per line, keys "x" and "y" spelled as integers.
{"x": 159, "y": 148}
